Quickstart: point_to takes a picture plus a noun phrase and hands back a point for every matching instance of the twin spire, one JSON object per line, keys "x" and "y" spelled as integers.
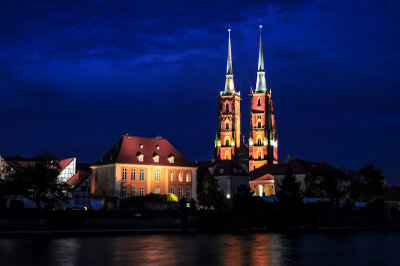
{"x": 229, "y": 86}
{"x": 261, "y": 84}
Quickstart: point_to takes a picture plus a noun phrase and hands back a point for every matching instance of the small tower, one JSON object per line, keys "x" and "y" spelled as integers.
{"x": 227, "y": 140}
{"x": 263, "y": 142}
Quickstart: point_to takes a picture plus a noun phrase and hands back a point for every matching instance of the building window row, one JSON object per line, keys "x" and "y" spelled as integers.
{"x": 133, "y": 174}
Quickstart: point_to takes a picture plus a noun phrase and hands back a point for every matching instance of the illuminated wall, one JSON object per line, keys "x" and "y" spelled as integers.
{"x": 126, "y": 180}
{"x": 263, "y": 142}
{"x": 227, "y": 140}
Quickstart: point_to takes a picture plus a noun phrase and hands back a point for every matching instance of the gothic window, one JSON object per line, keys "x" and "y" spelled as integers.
{"x": 259, "y": 102}
{"x": 259, "y": 154}
{"x": 259, "y": 141}
{"x": 259, "y": 123}
{"x": 227, "y": 108}
{"x": 227, "y": 125}
{"x": 227, "y": 155}
{"x": 227, "y": 141}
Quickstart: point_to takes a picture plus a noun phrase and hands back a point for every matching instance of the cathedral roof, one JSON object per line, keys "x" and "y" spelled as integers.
{"x": 126, "y": 150}
{"x": 298, "y": 166}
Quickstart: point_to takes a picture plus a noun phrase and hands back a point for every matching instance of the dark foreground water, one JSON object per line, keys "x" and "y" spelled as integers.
{"x": 359, "y": 248}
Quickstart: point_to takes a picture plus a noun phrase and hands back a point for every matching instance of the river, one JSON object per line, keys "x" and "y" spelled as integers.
{"x": 334, "y": 248}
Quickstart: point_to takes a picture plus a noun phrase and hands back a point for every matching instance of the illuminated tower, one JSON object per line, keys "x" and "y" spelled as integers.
{"x": 263, "y": 142}
{"x": 227, "y": 140}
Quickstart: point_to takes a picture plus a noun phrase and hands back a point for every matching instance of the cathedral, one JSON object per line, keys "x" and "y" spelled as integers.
{"x": 262, "y": 147}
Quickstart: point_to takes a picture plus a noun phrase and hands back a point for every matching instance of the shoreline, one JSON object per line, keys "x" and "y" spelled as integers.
{"x": 150, "y": 231}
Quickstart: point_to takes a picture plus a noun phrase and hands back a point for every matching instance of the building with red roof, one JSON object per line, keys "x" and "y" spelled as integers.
{"x": 140, "y": 165}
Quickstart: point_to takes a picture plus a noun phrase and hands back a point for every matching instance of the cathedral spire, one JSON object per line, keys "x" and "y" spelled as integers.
{"x": 261, "y": 84}
{"x": 229, "y": 86}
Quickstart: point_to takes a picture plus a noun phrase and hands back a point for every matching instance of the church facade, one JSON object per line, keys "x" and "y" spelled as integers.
{"x": 262, "y": 147}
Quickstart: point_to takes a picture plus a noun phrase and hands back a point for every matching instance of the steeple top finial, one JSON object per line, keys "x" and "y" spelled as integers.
{"x": 261, "y": 84}
{"x": 229, "y": 86}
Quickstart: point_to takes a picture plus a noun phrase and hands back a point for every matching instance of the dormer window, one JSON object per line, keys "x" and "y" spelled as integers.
{"x": 156, "y": 158}
{"x": 140, "y": 156}
{"x": 171, "y": 158}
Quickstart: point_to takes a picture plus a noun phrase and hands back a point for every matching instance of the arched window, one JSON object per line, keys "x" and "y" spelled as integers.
{"x": 259, "y": 123}
{"x": 227, "y": 108}
{"x": 259, "y": 141}
{"x": 227, "y": 141}
{"x": 227, "y": 155}
{"x": 259, "y": 102}
{"x": 227, "y": 125}
{"x": 259, "y": 154}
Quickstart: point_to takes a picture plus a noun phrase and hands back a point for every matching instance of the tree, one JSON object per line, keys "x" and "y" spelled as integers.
{"x": 289, "y": 191}
{"x": 372, "y": 176}
{"x": 38, "y": 182}
{"x": 209, "y": 194}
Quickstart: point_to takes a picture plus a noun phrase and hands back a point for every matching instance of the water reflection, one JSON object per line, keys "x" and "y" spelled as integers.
{"x": 251, "y": 249}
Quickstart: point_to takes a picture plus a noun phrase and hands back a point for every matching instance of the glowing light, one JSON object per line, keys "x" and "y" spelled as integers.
{"x": 274, "y": 143}
{"x": 265, "y": 142}
{"x": 251, "y": 142}
{"x": 217, "y": 143}
{"x": 228, "y": 196}
{"x": 233, "y": 143}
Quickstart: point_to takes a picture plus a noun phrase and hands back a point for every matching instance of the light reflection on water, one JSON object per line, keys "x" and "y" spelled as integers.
{"x": 361, "y": 248}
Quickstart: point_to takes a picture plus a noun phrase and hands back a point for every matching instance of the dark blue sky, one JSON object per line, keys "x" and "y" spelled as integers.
{"x": 76, "y": 76}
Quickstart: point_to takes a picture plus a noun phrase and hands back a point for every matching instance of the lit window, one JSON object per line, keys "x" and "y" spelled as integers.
{"x": 141, "y": 191}
{"x": 140, "y": 156}
{"x": 171, "y": 158}
{"x": 157, "y": 147}
{"x": 188, "y": 193}
{"x": 124, "y": 173}
{"x": 133, "y": 174}
{"x": 157, "y": 190}
{"x": 123, "y": 192}
{"x": 158, "y": 175}
{"x": 180, "y": 193}
{"x": 180, "y": 176}
{"x": 172, "y": 176}
{"x": 156, "y": 158}
{"x": 141, "y": 174}
{"x": 188, "y": 176}
{"x": 173, "y": 190}
{"x": 259, "y": 141}
{"x": 133, "y": 191}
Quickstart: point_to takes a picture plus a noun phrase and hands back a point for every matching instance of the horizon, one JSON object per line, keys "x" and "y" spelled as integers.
{"x": 83, "y": 74}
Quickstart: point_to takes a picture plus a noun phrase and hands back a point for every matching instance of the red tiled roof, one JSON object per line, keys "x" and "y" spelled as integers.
{"x": 78, "y": 178}
{"x": 65, "y": 162}
{"x": 127, "y": 148}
